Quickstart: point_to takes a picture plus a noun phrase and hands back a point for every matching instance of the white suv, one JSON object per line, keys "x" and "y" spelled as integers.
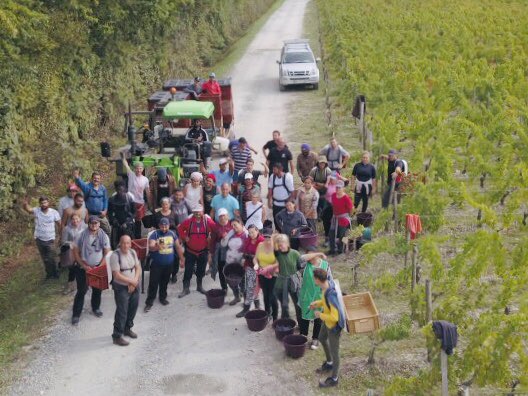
{"x": 297, "y": 65}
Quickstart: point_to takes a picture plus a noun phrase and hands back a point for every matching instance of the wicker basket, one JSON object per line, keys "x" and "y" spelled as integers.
{"x": 361, "y": 313}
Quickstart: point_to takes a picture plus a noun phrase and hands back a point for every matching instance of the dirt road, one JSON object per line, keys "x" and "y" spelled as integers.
{"x": 183, "y": 348}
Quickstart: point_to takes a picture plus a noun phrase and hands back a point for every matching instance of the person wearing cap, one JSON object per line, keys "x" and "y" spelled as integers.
{"x": 306, "y": 161}
{"x": 209, "y": 191}
{"x": 320, "y": 173}
{"x": 195, "y": 233}
{"x": 280, "y": 190}
{"x": 227, "y": 201}
{"x": 47, "y": 224}
{"x": 163, "y": 246}
{"x": 162, "y": 184}
{"x": 95, "y": 197}
{"x": 211, "y": 86}
{"x": 281, "y": 154}
{"x": 224, "y": 174}
{"x": 77, "y": 208}
{"x": 192, "y": 191}
{"x": 288, "y": 220}
{"x": 218, "y": 252}
{"x": 121, "y": 213}
{"x": 126, "y": 272}
{"x": 336, "y": 155}
{"x": 342, "y": 210}
{"x": 66, "y": 201}
{"x": 240, "y": 154}
{"x": 194, "y": 88}
{"x": 395, "y": 168}
{"x": 139, "y": 187}
{"x": 250, "y": 168}
{"x": 89, "y": 251}
{"x": 364, "y": 174}
{"x": 245, "y": 193}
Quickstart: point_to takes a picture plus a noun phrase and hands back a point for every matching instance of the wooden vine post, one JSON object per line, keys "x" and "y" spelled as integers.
{"x": 414, "y": 258}
{"x": 428, "y": 310}
{"x": 408, "y": 238}
{"x": 443, "y": 367}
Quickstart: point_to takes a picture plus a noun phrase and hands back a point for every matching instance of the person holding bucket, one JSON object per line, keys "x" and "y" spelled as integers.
{"x": 267, "y": 266}
{"x": 288, "y": 280}
{"x": 250, "y": 249}
{"x": 334, "y": 322}
{"x": 89, "y": 250}
{"x": 342, "y": 209}
{"x": 235, "y": 241}
{"x": 311, "y": 292}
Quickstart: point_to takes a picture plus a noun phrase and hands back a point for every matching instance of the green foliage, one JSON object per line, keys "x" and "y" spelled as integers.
{"x": 399, "y": 330}
{"x": 70, "y": 68}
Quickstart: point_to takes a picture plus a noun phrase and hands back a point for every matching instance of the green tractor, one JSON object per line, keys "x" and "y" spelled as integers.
{"x": 178, "y": 134}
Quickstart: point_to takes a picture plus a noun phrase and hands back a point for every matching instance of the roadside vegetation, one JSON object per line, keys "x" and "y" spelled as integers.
{"x": 445, "y": 84}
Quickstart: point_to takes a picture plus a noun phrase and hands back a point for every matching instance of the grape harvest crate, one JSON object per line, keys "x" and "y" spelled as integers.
{"x": 361, "y": 313}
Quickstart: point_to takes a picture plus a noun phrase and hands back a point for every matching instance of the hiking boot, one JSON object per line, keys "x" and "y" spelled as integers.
{"x": 329, "y": 382}
{"x": 98, "y": 313}
{"x": 184, "y": 292}
{"x": 242, "y": 313}
{"x": 315, "y": 345}
{"x": 199, "y": 287}
{"x": 121, "y": 341}
{"x": 75, "y": 320}
{"x": 174, "y": 278}
{"x": 130, "y": 333}
{"x": 325, "y": 368}
{"x": 147, "y": 307}
{"x": 235, "y": 301}
{"x": 164, "y": 302}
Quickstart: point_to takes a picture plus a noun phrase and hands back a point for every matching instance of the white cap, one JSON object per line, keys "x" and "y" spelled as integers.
{"x": 222, "y": 212}
{"x": 248, "y": 176}
{"x": 340, "y": 184}
{"x": 197, "y": 176}
{"x": 223, "y": 161}
{"x": 198, "y": 208}
{"x": 212, "y": 74}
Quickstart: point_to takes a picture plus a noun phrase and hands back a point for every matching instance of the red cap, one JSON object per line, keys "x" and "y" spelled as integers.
{"x": 212, "y": 177}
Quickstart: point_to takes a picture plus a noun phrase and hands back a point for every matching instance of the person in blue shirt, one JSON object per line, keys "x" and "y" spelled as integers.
{"x": 95, "y": 198}
{"x": 223, "y": 175}
{"x": 227, "y": 201}
{"x": 163, "y": 244}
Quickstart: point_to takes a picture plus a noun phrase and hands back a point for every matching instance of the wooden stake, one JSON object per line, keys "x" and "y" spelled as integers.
{"x": 443, "y": 365}
{"x": 408, "y": 248}
{"x": 362, "y": 123}
{"x": 428, "y": 301}
{"x": 413, "y": 260}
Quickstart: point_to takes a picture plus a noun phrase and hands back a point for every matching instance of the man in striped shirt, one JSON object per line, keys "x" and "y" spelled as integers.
{"x": 240, "y": 154}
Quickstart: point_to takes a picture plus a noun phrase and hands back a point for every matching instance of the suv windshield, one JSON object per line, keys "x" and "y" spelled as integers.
{"x": 298, "y": 57}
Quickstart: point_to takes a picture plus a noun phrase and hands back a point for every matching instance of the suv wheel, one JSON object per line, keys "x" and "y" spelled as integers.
{"x": 282, "y": 88}
{"x": 316, "y": 86}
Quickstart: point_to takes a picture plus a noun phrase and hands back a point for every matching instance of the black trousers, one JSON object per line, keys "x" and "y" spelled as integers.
{"x": 386, "y": 196}
{"x": 333, "y": 240}
{"x": 285, "y": 313}
{"x": 362, "y": 196}
{"x": 82, "y": 288}
{"x": 326, "y": 216}
{"x": 276, "y": 209}
{"x": 175, "y": 265}
{"x": 47, "y": 253}
{"x": 270, "y": 301}
{"x": 295, "y": 243}
{"x": 304, "y": 326}
{"x": 126, "y": 308}
{"x": 223, "y": 283}
{"x": 71, "y": 274}
{"x": 159, "y": 277}
{"x": 193, "y": 261}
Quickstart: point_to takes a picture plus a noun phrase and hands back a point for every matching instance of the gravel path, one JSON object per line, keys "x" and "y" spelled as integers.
{"x": 185, "y": 347}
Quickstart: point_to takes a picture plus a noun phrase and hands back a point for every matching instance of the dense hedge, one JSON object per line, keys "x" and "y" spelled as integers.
{"x": 68, "y": 69}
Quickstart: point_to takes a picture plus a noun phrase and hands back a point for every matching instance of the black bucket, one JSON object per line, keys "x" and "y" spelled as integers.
{"x": 233, "y": 274}
{"x": 295, "y": 345}
{"x": 364, "y": 219}
{"x": 283, "y": 327}
{"x": 257, "y": 320}
{"x": 215, "y": 298}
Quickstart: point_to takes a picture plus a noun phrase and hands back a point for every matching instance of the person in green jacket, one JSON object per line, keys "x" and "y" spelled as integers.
{"x": 311, "y": 292}
{"x": 288, "y": 279}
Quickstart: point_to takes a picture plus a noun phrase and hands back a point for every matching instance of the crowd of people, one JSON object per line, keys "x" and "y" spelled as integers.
{"x": 218, "y": 219}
